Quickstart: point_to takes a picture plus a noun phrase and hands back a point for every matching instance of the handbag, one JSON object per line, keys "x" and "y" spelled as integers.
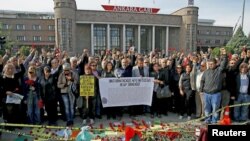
{"x": 163, "y": 92}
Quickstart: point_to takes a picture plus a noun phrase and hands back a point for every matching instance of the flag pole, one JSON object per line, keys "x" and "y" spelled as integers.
{"x": 243, "y": 12}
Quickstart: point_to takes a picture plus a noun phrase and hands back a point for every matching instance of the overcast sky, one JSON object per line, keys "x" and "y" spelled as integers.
{"x": 225, "y": 12}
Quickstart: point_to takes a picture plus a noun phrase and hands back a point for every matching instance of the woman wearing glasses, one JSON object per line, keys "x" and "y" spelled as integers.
{"x": 33, "y": 97}
{"x": 67, "y": 83}
{"x": 47, "y": 90}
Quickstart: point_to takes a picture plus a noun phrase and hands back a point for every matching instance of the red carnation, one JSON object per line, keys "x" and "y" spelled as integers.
{"x": 173, "y": 135}
{"x": 30, "y": 82}
{"x": 129, "y": 133}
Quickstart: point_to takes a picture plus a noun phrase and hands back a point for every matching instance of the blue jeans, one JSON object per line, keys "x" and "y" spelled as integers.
{"x": 211, "y": 104}
{"x": 241, "y": 112}
{"x": 69, "y": 108}
{"x": 33, "y": 110}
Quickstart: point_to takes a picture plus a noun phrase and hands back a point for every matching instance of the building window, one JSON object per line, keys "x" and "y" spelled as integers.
{"x": 228, "y": 33}
{"x": 51, "y": 27}
{"x": 146, "y": 39}
{"x": 36, "y": 27}
{"x": 198, "y": 32}
{"x": 65, "y": 33}
{"x": 191, "y": 37}
{"x": 115, "y": 37}
{"x": 225, "y": 42}
{"x": 217, "y": 33}
{"x": 207, "y": 41}
{"x": 5, "y": 26}
{"x": 224, "y": 33}
{"x": 99, "y": 38}
{"x": 208, "y": 32}
{"x": 160, "y": 39}
{"x": 21, "y": 38}
{"x": 51, "y": 38}
{"x": 217, "y": 41}
{"x": 20, "y": 27}
{"x": 37, "y": 38}
{"x": 130, "y": 37}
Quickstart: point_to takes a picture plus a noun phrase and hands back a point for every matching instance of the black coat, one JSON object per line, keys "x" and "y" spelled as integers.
{"x": 47, "y": 88}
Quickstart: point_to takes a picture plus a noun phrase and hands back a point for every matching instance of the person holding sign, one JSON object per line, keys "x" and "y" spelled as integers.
{"x": 88, "y": 91}
{"x": 107, "y": 73}
{"x": 139, "y": 71}
{"x": 158, "y": 82}
{"x": 124, "y": 71}
{"x": 67, "y": 83}
{"x": 97, "y": 74}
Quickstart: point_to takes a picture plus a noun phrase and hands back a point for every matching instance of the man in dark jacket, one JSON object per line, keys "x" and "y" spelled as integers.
{"x": 211, "y": 85}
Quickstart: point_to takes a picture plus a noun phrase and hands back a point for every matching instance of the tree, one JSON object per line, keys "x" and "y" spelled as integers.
{"x": 248, "y": 38}
{"x": 238, "y": 40}
{"x": 216, "y": 52}
{"x": 24, "y": 50}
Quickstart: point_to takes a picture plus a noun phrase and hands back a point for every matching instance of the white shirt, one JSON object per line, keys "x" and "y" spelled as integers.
{"x": 198, "y": 79}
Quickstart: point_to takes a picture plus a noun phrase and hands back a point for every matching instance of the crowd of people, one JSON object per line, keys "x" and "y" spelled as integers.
{"x": 49, "y": 81}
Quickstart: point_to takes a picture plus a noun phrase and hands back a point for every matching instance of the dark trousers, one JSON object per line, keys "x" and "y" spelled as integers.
{"x": 90, "y": 111}
{"x": 61, "y": 105}
{"x": 51, "y": 108}
{"x": 112, "y": 112}
{"x": 156, "y": 103}
{"x": 11, "y": 113}
{"x": 164, "y": 105}
{"x": 136, "y": 110}
{"x": 176, "y": 100}
{"x": 187, "y": 104}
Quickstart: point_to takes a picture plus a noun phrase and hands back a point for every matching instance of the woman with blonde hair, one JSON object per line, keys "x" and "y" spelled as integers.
{"x": 31, "y": 89}
{"x": 10, "y": 85}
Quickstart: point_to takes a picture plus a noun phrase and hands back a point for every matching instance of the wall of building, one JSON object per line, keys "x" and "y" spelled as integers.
{"x": 83, "y": 37}
{"x": 213, "y": 36}
{"x": 129, "y": 18}
{"x": 29, "y": 32}
{"x": 188, "y": 29}
{"x": 174, "y": 34}
{"x": 65, "y": 14}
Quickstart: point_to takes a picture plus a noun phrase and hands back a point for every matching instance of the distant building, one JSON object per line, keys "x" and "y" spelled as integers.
{"x": 73, "y": 30}
{"x": 29, "y": 28}
{"x": 209, "y": 35}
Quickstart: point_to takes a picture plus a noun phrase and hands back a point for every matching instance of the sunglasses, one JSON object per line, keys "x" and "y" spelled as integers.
{"x": 31, "y": 72}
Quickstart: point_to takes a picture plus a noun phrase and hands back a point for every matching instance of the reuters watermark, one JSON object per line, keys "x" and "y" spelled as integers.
{"x": 239, "y": 132}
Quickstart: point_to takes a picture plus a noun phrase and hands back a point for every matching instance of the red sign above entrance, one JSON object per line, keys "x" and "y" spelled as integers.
{"x": 130, "y": 9}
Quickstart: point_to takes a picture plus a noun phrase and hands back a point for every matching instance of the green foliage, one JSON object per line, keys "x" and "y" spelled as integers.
{"x": 24, "y": 50}
{"x": 248, "y": 38}
{"x": 238, "y": 40}
{"x": 216, "y": 52}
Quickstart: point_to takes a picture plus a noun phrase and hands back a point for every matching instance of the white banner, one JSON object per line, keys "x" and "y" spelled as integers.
{"x": 126, "y": 91}
{"x": 14, "y": 98}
